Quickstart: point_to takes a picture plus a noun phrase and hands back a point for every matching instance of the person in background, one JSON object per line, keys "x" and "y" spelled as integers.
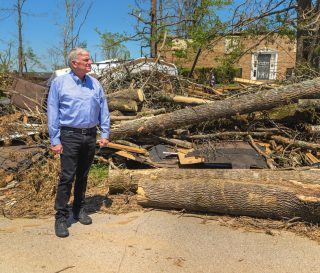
{"x": 76, "y": 105}
{"x": 212, "y": 82}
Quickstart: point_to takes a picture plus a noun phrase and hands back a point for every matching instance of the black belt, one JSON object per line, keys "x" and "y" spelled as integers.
{"x": 83, "y": 131}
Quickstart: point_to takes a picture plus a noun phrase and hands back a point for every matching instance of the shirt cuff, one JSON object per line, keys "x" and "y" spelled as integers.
{"x": 55, "y": 141}
{"x": 105, "y": 135}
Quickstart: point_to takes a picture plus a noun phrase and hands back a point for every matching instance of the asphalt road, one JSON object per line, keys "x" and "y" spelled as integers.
{"x": 150, "y": 242}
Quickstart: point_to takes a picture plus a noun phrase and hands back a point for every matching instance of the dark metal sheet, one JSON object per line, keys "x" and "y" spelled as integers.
{"x": 28, "y": 95}
{"x": 17, "y": 158}
{"x": 236, "y": 155}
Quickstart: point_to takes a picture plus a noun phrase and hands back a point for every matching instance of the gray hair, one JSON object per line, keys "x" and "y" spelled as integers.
{"x": 73, "y": 54}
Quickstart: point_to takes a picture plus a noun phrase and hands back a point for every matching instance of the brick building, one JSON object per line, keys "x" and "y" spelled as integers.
{"x": 270, "y": 59}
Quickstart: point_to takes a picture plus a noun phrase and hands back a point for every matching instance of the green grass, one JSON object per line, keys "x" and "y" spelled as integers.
{"x": 98, "y": 173}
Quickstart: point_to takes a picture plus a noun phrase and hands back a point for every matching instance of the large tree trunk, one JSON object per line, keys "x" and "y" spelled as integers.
{"x": 263, "y": 100}
{"x": 257, "y": 193}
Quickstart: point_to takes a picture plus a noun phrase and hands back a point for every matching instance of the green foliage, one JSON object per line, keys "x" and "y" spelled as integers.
{"x": 181, "y": 54}
{"x": 32, "y": 60}
{"x": 6, "y": 61}
{"x": 223, "y": 74}
{"x": 111, "y": 47}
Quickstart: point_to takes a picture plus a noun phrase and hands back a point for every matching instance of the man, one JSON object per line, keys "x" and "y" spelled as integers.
{"x": 76, "y": 105}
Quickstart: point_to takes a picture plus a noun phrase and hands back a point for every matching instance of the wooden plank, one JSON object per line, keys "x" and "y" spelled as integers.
{"x": 126, "y": 155}
{"x": 126, "y": 148}
{"x": 187, "y": 160}
{"x": 311, "y": 158}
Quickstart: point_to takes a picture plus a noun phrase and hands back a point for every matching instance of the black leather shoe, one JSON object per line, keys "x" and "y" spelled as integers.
{"x": 83, "y": 217}
{"x": 61, "y": 228}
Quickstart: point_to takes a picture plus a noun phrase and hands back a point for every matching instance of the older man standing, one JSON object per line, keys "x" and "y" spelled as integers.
{"x": 76, "y": 105}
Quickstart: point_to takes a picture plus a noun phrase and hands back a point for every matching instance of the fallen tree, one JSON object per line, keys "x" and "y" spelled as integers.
{"x": 263, "y": 100}
{"x": 257, "y": 193}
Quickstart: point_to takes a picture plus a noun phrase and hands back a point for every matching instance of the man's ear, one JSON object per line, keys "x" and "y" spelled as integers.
{"x": 74, "y": 63}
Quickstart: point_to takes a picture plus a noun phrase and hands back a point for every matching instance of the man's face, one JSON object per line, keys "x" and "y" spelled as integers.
{"x": 82, "y": 65}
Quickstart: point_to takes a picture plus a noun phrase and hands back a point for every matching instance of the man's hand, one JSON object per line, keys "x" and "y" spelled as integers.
{"x": 57, "y": 149}
{"x": 103, "y": 142}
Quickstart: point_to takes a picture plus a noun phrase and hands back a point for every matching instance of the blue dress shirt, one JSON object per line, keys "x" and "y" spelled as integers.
{"x": 78, "y": 104}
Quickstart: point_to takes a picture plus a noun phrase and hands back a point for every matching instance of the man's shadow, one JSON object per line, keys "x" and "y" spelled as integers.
{"x": 93, "y": 204}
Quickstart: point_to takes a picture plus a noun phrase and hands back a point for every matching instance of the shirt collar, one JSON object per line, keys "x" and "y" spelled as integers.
{"x": 77, "y": 79}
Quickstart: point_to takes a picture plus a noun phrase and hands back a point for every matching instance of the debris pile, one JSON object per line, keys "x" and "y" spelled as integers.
{"x": 161, "y": 120}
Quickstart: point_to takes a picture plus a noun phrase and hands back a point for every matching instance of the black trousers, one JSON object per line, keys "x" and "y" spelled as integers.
{"x": 76, "y": 159}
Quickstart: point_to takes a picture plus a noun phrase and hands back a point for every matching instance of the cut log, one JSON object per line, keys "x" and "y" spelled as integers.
{"x": 116, "y": 113}
{"x": 263, "y": 100}
{"x": 257, "y": 193}
{"x": 180, "y": 99}
{"x": 129, "y": 94}
{"x": 123, "y": 105}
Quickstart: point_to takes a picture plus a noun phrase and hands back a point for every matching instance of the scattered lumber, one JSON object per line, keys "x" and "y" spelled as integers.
{"x": 256, "y": 193}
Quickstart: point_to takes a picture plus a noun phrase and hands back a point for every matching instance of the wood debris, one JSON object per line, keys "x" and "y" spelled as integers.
{"x": 161, "y": 121}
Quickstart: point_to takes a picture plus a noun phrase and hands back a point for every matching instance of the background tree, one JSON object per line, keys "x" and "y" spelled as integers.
{"x": 74, "y": 16}
{"x": 32, "y": 61}
{"x": 19, "y": 7}
{"x": 185, "y": 19}
{"x": 110, "y": 46}
{"x": 6, "y": 58}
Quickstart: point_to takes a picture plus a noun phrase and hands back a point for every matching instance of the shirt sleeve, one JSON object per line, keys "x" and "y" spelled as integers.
{"x": 53, "y": 114}
{"x": 104, "y": 115}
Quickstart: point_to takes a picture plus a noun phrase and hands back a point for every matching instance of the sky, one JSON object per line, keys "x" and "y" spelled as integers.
{"x": 41, "y": 32}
